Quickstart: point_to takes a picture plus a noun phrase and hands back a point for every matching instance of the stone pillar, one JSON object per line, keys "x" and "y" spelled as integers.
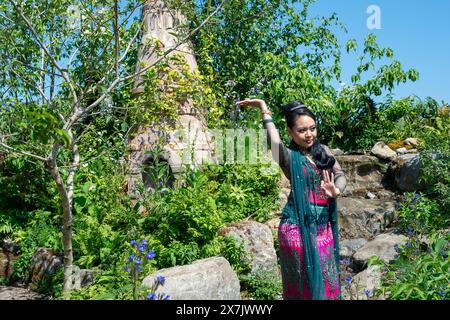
{"x": 160, "y": 24}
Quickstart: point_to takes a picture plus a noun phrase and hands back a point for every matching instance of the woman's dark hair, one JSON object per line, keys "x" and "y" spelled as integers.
{"x": 292, "y": 111}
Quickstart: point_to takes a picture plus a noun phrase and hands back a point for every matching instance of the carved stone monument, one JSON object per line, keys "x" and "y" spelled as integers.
{"x": 187, "y": 141}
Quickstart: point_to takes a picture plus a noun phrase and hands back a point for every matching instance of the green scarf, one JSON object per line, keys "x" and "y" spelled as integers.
{"x": 307, "y": 224}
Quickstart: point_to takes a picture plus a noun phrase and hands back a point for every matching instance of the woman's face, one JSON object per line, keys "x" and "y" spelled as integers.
{"x": 304, "y": 131}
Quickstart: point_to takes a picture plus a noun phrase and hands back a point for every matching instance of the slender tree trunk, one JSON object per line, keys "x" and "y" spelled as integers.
{"x": 66, "y": 195}
{"x": 66, "y": 203}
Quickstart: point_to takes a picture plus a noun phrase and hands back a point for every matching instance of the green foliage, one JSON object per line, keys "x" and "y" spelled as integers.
{"x": 237, "y": 51}
{"x": 51, "y": 284}
{"x": 262, "y": 284}
{"x": 24, "y": 187}
{"x": 168, "y": 85}
{"x": 435, "y": 157}
{"x": 419, "y": 274}
{"x": 233, "y": 250}
{"x": 111, "y": 284}
{"x": 420, "y": 271}
{"x": 245, "y": 190}
{"x": 418, "y": 214}
{"x": 191, "y": 214}
{"x": 41, "y": 231}
{"x": 178, "y": 253}
{"x": 103, "y": 220}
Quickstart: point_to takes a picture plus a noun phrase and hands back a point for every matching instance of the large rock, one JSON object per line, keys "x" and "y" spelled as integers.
{"x": 284, "y": 182}
{"x": 82, "y": 278}
{"x": 363, "y": 285}
{"x": 407, "y": 173}
{"x": 382, "y": 151}
{"x": 364, "y": 173}
{"x": 414, "y": 142}
{"x": 348, "y": 247}
{"x": 7, "y": 260}
{"x": 364, "y": 218}
{"x": 44, "y": 263}
{"x": 383, "y": 247}
{"x": 258, "y": 243}
{"x": 13, "y": 293}
{"x": 283, "y": 198}
{"x": 206, "y": 279}
{"x": 273, "y": 224}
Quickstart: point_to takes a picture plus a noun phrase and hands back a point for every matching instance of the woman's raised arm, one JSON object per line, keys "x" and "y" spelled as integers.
{"x": 280, "y": 153}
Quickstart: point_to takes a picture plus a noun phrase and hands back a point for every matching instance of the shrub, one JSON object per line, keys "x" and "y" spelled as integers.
{"x": 419, "y": 274}
{"x": 262, "y": 284}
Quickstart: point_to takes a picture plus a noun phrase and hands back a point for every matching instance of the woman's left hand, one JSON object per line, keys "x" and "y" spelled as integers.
{"x": 328, "y": 186}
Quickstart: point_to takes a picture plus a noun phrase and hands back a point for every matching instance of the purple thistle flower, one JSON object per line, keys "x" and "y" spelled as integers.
{"x": 160, "y": 279}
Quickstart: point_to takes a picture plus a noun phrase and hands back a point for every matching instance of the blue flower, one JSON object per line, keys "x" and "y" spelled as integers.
{"x": 161, "y": 279}
{"x": 167, "y": 297}
{"x": 127, "y": 268}
{"x": 137, "y": 262}
{"x": 142, "y": 248}
{"x": 367, "y": 292}
{"x": 151, "y": 254}
{"x": 144, "y": 243}
{"x": 131, "y": 258}
{"x": 141, "y": 268}
{"x": 347, "y": 280}
{"x": 151, "y": 296}
{"x": 133, "y": 243}
{"x": 442, "y": 294}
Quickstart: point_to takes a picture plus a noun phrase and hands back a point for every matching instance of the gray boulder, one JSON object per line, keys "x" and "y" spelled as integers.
{"x": 382, "y": 151}
{"x": 14, "y": 293}
{"x": 258, "y": 243}
{"x": 206, "y": 279}
{"x": 383, "y": 247}
{"x": 364, "y": 173}
{"x": 348, "y": 247}
{"x": 44, "y": 263}
{"x": 364, "y": 218}
{"x": 407, "y": 173}
{"x": 363, "y": 285}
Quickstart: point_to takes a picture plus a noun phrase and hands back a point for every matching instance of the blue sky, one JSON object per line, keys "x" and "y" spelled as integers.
{"x": 417, "y": 31}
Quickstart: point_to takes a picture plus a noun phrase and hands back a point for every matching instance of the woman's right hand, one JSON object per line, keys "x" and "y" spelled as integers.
{"x": 261, "y": 104}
